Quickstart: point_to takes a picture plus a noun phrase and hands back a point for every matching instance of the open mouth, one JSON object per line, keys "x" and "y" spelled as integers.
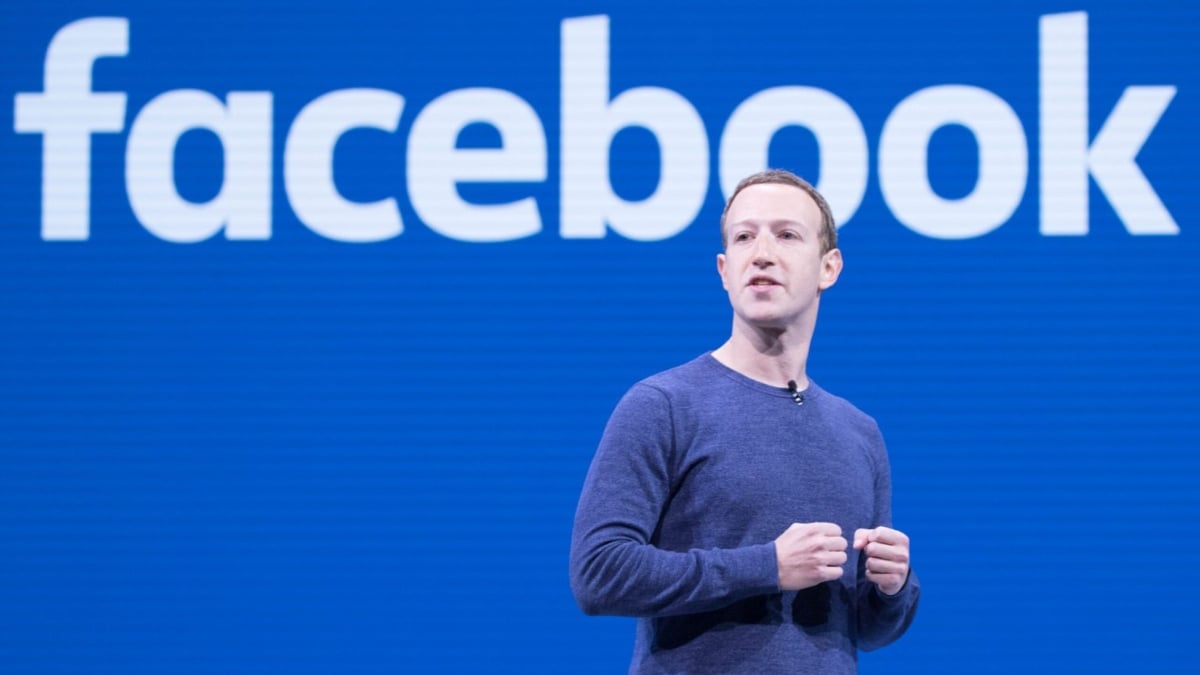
{"x": 762, "y": 282}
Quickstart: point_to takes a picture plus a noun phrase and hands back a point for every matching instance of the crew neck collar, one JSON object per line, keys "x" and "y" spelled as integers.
{"x": 771, "y": 390}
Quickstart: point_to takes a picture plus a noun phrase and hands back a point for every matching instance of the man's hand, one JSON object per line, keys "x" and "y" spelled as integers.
{"x": 887, "y": 555}
{"x": 809, "y": 554}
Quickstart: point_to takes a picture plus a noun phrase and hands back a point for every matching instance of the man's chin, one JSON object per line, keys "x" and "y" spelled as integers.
{"x": 765, "y": 321}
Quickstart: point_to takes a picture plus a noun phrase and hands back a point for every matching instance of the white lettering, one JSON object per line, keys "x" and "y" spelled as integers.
{"x": 436, "y": 165}
{"x": 308, "y": 165}
{"x": 67, "y": 114}
{"x": 1066, "y": 158}
{"x": 243, "y": 205}
{"x": 589, "y": 122}
{"x": 904, "y": 168}
{"x": 842, "y": 143}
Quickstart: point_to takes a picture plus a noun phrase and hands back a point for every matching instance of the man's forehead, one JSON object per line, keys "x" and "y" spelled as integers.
{"x": 773, "y": 208}
{"x": 773, "y": 202}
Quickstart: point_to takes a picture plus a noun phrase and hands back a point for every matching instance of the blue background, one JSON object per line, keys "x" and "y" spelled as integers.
{"x": 301, "y": 455}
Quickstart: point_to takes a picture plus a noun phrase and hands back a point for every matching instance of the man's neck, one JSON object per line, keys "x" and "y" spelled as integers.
{"x": 774, "y": 357}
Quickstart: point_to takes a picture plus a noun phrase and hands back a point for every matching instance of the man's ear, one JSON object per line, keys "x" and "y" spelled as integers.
{"x": 831, "y": 268}
{"x": 721, "y": 269}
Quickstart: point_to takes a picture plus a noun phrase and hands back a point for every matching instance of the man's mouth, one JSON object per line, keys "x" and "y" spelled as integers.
{"x": 762, "y": 282}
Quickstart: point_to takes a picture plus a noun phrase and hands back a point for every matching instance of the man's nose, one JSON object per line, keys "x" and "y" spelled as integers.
{"x": 764, "y": 252}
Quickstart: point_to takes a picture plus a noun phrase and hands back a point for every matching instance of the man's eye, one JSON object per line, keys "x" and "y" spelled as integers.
{"x": 789, "y": 235}
{"x": 742, "y": 236}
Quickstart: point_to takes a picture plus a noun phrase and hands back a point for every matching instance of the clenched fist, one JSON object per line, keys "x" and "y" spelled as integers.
{"x": 887, "y": 554}
{"x": 809, "y": 554}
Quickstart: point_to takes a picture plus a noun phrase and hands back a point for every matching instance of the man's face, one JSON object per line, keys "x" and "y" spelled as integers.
{"x": 772, "y": 267}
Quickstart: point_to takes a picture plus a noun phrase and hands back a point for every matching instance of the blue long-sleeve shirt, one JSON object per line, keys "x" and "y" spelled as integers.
{"x": 699, "y": 470}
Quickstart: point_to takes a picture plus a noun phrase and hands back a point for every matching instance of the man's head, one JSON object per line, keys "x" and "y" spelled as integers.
{"x": 780, "y": 252}
{"x": 782, "y": 177}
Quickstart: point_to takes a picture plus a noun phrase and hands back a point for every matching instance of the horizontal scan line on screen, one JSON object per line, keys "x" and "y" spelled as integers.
{"x": 68, "y": 112}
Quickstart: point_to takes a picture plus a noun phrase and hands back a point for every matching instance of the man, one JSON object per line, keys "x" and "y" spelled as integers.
{"x": 741, "y": 512}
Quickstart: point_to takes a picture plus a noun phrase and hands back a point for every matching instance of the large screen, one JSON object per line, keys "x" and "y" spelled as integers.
{"x": 312, "y": 314}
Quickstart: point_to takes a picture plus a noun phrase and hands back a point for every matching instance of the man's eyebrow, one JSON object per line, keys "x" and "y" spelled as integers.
{"x": 779, "y": 222}
{"x": 772, "y": 223}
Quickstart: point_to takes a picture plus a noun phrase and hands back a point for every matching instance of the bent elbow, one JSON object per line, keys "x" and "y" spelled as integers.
{"x": 591, "y": 605}
{"x": 593, "y": 586}
{"x": 590, "y": 597}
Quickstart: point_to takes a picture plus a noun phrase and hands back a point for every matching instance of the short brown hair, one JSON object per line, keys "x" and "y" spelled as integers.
{"x": 784, "y": 177}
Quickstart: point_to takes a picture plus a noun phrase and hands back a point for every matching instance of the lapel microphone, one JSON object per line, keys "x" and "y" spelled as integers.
{"x": 797, "y": 395}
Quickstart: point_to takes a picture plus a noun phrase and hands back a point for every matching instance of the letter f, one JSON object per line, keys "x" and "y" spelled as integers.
{"x": 67, "y": 113}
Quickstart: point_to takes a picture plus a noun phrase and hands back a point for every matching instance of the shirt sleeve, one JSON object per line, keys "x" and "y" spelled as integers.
{"x": 615, "y": 567}
{"x": 882, "y": 619}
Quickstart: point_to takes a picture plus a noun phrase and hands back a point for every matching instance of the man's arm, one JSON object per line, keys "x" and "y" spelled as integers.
{"x": 615, "y": 569}
{"x": 888, "y": 589}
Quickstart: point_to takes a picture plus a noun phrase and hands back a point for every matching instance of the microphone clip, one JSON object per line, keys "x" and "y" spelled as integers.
{"x": 797, "y": 395}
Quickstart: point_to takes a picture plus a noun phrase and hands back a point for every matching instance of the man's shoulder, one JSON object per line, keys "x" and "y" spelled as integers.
{"x": 848, "y": 412}
{"x": 682, "y": 378}
{"x": 664, "y": 393}
{"x": 676, "y": 387}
